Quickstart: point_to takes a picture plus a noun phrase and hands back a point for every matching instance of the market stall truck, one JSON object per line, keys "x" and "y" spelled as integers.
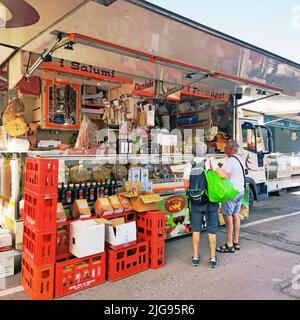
{"x": 266, "y": 172}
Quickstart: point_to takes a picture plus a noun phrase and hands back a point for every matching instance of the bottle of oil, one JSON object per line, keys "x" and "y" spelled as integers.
{"x": 68, "y": 194}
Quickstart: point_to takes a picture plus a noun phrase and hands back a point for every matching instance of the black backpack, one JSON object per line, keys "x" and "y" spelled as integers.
{"x": 197, "y": 190}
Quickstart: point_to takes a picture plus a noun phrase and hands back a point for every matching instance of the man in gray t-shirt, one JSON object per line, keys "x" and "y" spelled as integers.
{"x": 233, "y": 169}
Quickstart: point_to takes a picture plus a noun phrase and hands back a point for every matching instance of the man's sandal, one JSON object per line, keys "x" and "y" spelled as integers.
{"x": 237, "y": 246}
{"x": 226, "y": 249}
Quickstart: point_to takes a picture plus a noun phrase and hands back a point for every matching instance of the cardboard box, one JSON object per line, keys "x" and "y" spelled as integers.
{"x": 6, "y": 264}
{"x": 80, "y": 209}
{"x": 86, "y": 238}
{"x": 145, "y": 201}
{"x": 126, "y": 204}
{"x": 119, "y": 234}
{"x": 133, "y": 187}
{"x": 103, "y": 207}
{"x": 18, "y": 235}
{"x": 61, "y": 215}
{"x": 134, "y": 175}
{"x": 5, "y": 240}
{"x": 116, "y": 204}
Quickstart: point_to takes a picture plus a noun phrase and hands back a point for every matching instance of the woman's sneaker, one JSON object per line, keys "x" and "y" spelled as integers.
{"x": 213, "y": 263}
{"x": 196, "y": 261}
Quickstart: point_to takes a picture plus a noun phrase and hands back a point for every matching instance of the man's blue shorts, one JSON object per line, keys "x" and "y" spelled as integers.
{"x": 210, "y": 212}
{"x": 234, "y": 206}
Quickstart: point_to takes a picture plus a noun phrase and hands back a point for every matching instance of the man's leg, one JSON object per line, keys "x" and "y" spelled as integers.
{"x": 212, "y": 220}
{"x": 212, "y": 240}
{"x": 236, "y": 218}
{"x": 237, "y": 226}
{"x": 229, "y": 230}
{"x": 196, "y": 244}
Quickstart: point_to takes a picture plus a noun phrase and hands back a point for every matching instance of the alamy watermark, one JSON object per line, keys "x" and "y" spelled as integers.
{"x": 296, "y": 17}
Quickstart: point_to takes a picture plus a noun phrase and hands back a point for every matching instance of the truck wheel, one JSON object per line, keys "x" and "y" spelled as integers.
{"x": 251, "y": 199}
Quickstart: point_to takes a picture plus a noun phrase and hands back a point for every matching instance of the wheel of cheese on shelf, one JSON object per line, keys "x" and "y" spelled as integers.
{"x": 79, "y": 174}
{"x": 119, "y": 172}
{"x": 13, "y": 120}
{"x": 100, "y": 173}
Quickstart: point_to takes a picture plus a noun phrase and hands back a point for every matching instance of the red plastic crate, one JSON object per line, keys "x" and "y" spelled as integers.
{"x": 151, "y": 225}
{"x": 130, "y": 217}
{"x": 41, "y": 175}
{"x": 39, "y": 246}
{"x": 62, "y": 241}
{"x": 125, "y": 262}
{"x": 157, "y": 254}
{"x": 38, "y": 282}
{"x": 40, "y": 211}
{"x": 78, "y": 274}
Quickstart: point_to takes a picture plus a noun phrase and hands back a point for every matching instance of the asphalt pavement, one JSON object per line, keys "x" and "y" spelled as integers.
{"x": 267, "y": 267}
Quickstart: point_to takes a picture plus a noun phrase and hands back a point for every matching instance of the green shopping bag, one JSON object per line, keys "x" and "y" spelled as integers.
{"x": 219, "y": 190}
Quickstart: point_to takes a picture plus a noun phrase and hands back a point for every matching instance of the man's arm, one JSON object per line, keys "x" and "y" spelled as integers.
{"x": 222, "y": 173}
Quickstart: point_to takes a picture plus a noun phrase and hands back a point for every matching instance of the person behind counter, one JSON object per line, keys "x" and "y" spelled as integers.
{"x": 208, "y": 210}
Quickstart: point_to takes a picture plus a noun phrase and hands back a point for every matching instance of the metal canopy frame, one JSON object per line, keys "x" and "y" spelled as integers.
{"x": 104, "y": 45}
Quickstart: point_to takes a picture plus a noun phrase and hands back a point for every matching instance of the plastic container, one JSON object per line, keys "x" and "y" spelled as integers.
{"x": 38, "y": 282}
{"x": 156, "y": 254}
{"x": 128, "y": 261}
{"x": 39, "y": 246}
{"x": 40, "y": 211}
{"x": 151, "y": 225}
{"x": 62, "y": 241}
{"x": 41, "y": 175}
{"x": 78, "y": 274}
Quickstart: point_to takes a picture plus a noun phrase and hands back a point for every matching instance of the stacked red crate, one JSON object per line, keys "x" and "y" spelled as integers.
{"x": 127, "y": 261}
{"x": 151, "y": 227}
{"x": 39, "y": 239}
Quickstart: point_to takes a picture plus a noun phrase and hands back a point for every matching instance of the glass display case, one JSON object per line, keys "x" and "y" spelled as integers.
{"x": 61, "y": 106}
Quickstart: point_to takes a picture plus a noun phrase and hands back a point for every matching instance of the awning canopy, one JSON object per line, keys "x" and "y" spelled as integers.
{"x": 281, "y": 107}
{"x": 136, "y": 37}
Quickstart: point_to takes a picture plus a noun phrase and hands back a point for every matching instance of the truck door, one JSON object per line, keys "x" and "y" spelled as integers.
{"x": 254, "y": 149}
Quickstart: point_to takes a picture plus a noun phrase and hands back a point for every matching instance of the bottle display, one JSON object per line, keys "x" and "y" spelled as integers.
{"x": 68, "y": 195}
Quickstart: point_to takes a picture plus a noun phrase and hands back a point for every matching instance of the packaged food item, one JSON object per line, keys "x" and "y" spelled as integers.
{"x": 116, "y": 204}
{"x": 126, "y": 204}
{"x": 61, "y": 215}
{"x": 103, "y": 207}
{"x": 80, "y": 209}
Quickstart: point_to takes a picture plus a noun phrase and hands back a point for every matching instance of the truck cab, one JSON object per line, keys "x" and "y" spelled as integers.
{"x": 256, "y": 142}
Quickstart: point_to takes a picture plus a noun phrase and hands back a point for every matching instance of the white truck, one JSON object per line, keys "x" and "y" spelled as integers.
{"x": 266, "y": 171}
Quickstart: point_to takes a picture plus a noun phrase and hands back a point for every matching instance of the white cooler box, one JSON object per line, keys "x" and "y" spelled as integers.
{"x": 86, "y": 238}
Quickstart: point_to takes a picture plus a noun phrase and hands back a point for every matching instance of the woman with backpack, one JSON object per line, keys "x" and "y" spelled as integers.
{"x": 196, "y": 186}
